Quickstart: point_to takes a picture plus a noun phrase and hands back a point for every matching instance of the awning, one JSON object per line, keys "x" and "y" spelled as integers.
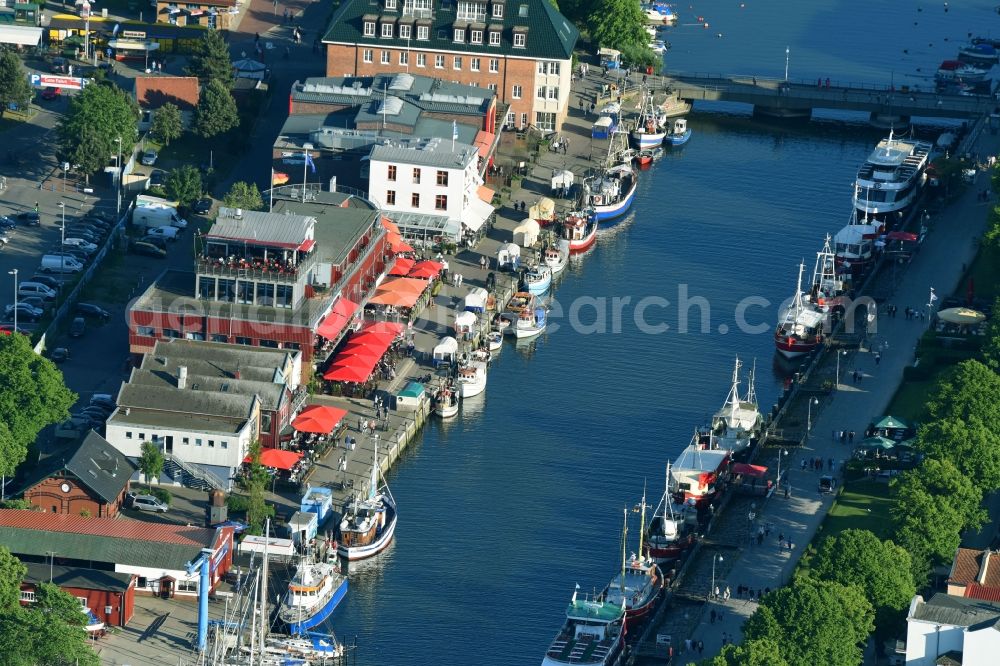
{"x": 21, "y": 35}
{"x": 399, "y": 246}
{"x": 395, "y": 299}
{"x": 408, "y": 285}
{"x": 483, "y": 143}
{"x": 277, "y": 459}
{"x": 340, "y": 315}
{"x": 749, "y": 470}
{"x": 426, "y": 269}
{"x": 402, "y": 266}
{"x": 358, "y": 367}
{"x": 389, "y": 225}
{"x": 319, "y": 419}
{"x": 133, "y": 45}
{"x": 479, "y": 211}
{"x": 348, "y": 373}
{"x": 486, "y": 194}
{"x": 307, "y": 245}
{"x": 901, "y": 236}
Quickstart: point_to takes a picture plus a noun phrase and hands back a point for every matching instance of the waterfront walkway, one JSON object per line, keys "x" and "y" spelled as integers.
{"x": 949, "y": 247}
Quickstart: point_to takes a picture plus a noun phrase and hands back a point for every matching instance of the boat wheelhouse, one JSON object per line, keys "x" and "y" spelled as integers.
{"x": 854, "y": 247}
{"x": 368, "y": 523}
{"x": 591, "y": 636}
{"x": 580, "y": 231}
{"x": 890, "y": 179}
{"x": 696, "y": 473}
{"x": 736, "y": 424}
{"x": 314, "y": 591}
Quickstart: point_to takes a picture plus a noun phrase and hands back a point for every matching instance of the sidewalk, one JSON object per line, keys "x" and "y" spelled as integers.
{"x": 949, "y": 246}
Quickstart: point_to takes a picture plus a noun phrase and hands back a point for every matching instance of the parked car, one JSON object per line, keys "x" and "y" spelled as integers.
{"x": 59, "y": 355}
{"x": 59, "y": 65}
{"x": 97, "y": 222}
{"x": 7, "y": 223}
{"x": 35, "y": 302}
{"x": 72, "y": 428}
{"x": 86, "y": 234}
{"x": 89, "y": 421}
{"x": 147, "y": 249}
{"x": 91, "y": 310}
{"x": 51, "y": 93}
{"x": 104, "y": 399}
{"x": 145, "y": 503}
{"x": 77, "y": 327}
{"x": 827, "y": 484}
{"x": 96, "y": 412}
{"x": 52, "y": 283}
{"x": 80, "y": 243}
{"x": 35, "y": 289}
{"x": 156, "y": 178}
{"x": 149, "y": 158}
{"x": 68, "y": 251}
{"x": 170, "y": 233}
{"x": 25, "y": 312}
{"x": 158, "y": 241}
{"x": 29, "y": 218}
{"x": 7, "y": 329}
{"x": 202, "y": 206}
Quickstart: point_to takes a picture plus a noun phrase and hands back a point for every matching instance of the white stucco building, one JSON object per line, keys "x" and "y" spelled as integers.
{"x": 415, "y": 178}
{"x": 969, "y": 628}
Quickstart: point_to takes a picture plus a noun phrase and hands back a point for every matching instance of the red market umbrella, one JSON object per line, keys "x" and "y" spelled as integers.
{"x": 347, "y": 373}
{"x": 426, "y": 269}
{"x": 399, "y": 246}
{"x": 402, "y": 266}
{"x": 319, "y": 419}
{"x": 277, "y": 459}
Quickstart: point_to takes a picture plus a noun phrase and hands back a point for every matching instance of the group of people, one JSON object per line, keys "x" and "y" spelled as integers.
{"x": 816, "y": 464}
{"x": 843, "y": 436}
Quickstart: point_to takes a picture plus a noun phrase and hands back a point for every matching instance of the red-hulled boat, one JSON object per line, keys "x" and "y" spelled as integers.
{"x": 696, "y": 472}
{"x": 580, "y": 230}
{"x": 638, "y": 585}
{"x": 668, "y": 534}
{"x": 800, "y": 328}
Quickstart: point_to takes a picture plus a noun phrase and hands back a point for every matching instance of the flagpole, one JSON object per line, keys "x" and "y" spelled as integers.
{"x": 270, "y": 206}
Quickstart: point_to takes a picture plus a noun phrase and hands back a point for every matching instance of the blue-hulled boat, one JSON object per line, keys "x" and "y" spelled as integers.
{"x": 313, "y": 593}
{"x": 679, "y": 133}
{"x": 609, "y": 195}
{"x": 538, "y": 280}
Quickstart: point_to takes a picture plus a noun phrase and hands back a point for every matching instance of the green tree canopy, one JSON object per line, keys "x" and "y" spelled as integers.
{"x": 14, "y": 86}
{"x": 991, "y": 350}
{"x": 257, "y": 483}
{"x": 151, "y": 461}
{"x": 881, "y": 569}
{"x": 32, "y": 396}
{"x": 760, "y": 652}
{"x": 50, "y": 598}
{"x": 184, "y": 184}
{"x": 618, "y": 24}
{"x": 243, "y": 195}
{"x": 167, "y": 123}
{"x": 11, "y": 574}
{"x": 814, "y": 622}
{"x": 210, "y": 60}
{"x": 97, "y": 117}
{"x": 216, "y": 112}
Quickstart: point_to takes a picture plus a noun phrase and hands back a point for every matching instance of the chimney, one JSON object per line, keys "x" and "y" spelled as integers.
{"x": 182, "y": 377}
{"x": 981, "y": 578}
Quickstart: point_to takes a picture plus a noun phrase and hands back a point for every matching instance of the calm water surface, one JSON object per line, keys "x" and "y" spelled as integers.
{"x": 506, "y": 508}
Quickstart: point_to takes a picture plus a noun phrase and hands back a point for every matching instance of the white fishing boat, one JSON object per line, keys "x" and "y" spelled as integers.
{"x": 696, "y": 472}
{"x": 669, "y": 533}
{"x": 538, "y": 280}
{"x": 828, "y": 286}
{"x": 854, "y": 245}
{"x": 471, "y": 379}
{"x": 368, "y": 524}
{"x": 647, "y": 133}
{"x": 314, "y": 591}
{"x": 556, "y": 258}
{"x": 494, "y": 340}
{"x": 800, "y": 326}
{"x": 679, "y": 133}
{"x": 592, "y": 634}
{"x": 609, "y": 193}
{"x": 579, "y": 230}
{"x": 891, "y": 178}
{"x": 738, "y": 422}
{"x": 319, "y": 647}
{"x": 530, "y": 323}
{"x": 446, "y": 402}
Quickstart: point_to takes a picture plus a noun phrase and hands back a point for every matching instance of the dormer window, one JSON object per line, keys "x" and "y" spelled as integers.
{"x": 494, "y": 36}
{"x": 387, "y": 30}
{"x": 520, "y": 37}
{"x": 476, "y": 36}
{"x": 423, "y": 32}
{"x": 405, "y": 31}
{"x": 498, "y": 10}
{"x": 460, "y": 35}
{"x": 369, "y": 28}
{"x": 522, "y": 10}
{"x": 390, "y": 4}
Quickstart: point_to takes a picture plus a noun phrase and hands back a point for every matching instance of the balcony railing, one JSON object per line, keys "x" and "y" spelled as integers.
{"x": 254, "y": 269}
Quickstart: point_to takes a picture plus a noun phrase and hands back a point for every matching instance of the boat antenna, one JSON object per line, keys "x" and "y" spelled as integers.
{"x": 624, "y": 551}
{"x": 263, "y": 588}
{"x": 798, "y": 290}
{"x": 751, "y": 390}
{"x": 734, "y": 392}
{"x": 642, "y": 520}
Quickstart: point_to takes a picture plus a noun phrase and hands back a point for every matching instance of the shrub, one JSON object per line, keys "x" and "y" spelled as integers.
{"x": 162, "y": 494}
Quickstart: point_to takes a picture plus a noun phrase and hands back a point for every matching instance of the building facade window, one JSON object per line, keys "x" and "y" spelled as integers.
{"x": 476, "y": 36}
{"x": 390, "y": 197}
{"x": 206, "y": 288}
{"x": 553, "y": 92}
{"x": 471, "y": 11}
{"x": 244, "y": 341}
{"x": 128, "y": 434}
{"x": 458, "y": 63}
{"x": 416, "y": 176}
{"x": 546, "y": 67}
{"x": 385, "y": 57}
{"x": 405, "y": 30}
{"x": 171, "y": 333}
{"x": 494, "y": 38}
{"x": 366, "y": 55}
{"x": 516, "y": 92}
{"x": 421, "y": 60}
{"x": 474, "y": 64}
{"x": 494, "y": 65}
{"x": 283, "y": 297}
{"x": 226, "y": 290}
{"x": 244, "y": 292}
{"x": 520, "y": 40}
{"x": 220, "y": 337}
{"x": 369, "y": 28}
{"x": 498, "y": 10}
{"x": 439, "y": 61}
{"x": 545, "y": 120}
{"x": 524, "y": 120}
{"x": 387, "y": 30}
{"x": 28, "y": 596}
{"x": 540, "y": 92}
{"x": 145, "y": 331}
{"x": 390, "y": 4}
{"x": 265, "y": 294}
{"x": 492, "y": 86}
{"x": 415, "y": 200}
{"x": 391, "y": 172}
{"x": 460, "y": 35}
{"x": 441, "y": 202}
{"x": 404, "y": 57}
{"x": 509, "y": 120}
{"x": 423, "y": 32}
{"x": 272, "y": 344}
{"x": 522, "y": 10}
{"x": 442, "y": 178}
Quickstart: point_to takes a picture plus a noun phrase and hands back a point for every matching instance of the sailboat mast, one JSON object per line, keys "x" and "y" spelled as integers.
{"x": 642, "y": 520}
{"x": 373, "y": 481}
{"x": 624, "y": 548}
{"x": 666, "y": 496}
{"x": 263, "y": 589}
{"x": 798, "y": 291}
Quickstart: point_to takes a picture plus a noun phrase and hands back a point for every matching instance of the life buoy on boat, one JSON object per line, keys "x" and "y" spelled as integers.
{"x": 788, "y": 341}
{"x": 598, "y": 200}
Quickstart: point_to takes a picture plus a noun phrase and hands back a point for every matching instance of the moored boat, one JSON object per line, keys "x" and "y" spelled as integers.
{"x": 891, "y": 178}
{"x": 592, "y": 634}
{"x": 737, "y": 423}
{"x": 800, "y": 326}
{"x": 446, "y": 402}
{"x": 669, "y": 534}
{"x": 854, "y": 247}
{"x": 696, "y": 472}
{"x": 638, "y": 585}
{"x": 471, "y": 379}
{"x": 951, "y": 71}
{"x": 648, "y": 132}
{"x": 580, "y": 230}
{"x": 556, "y": 257}
{"x": 538, "y": 280}
{"x": 979, "y": 52}
{"x": 530, "y": 323}
{"x": 828, "y": 284}
{"x": 679, "y": 133}
{"x": 313, "y": 593}
{"x": 494, "y": 340}
{"x": 368, "y": 524}
{"x": 311, "y": 645}
{"x": 610, "y": 193}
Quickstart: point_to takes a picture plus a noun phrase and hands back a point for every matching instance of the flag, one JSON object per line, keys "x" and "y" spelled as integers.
{"x": 454, "y": 130}
{"x": 309, "y": 161}
{"x": 933, "y": 295}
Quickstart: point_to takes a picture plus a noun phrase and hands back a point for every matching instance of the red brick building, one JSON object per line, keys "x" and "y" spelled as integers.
{"x": 268, "y": 279}
{"x": 110, "y": 596}
{"x": 92, "y": 482}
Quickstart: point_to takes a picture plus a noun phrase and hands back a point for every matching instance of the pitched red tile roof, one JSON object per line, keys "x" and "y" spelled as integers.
{"x": 117, "y": 528}
{"x": 152, "y": 92}
{"x": 966, "y": 570}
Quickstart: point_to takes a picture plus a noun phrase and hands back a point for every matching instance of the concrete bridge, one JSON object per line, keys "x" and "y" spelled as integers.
{"x": 796, "y": 98}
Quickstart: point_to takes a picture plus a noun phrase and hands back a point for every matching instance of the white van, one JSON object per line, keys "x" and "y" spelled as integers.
{"x": 35, "y": 289}
{"x": 170, "y": 233}
{"x": 54, "y": 263}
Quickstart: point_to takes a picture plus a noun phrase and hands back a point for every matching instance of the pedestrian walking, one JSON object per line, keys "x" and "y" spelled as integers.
{"x": 787, "y": 491}
{"x": 726, "y": 594}
{"x": 712, "y": 616}
{"x": 804, "y": 463}
{"x": 843, "y": 436}
{"x": 701, "y": 647}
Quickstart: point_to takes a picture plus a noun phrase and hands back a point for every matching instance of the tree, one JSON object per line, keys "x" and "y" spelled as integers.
{"x": 935, "y": 503}
{"x": 151, "y": 462}
{"x": 257, "y": 481}
{"x": 14, "y": 86}
{"x": 814, "y": 622}
{"x": 167, "y": 123}
{"x": 97, "y": 117}
{"x": 216, "y": 112}
{"x": 11, "y": 574}
{"x": 618, "y": 24}
{"x": 243, "y": 195}
{"x": 210, "y": 60}
{"x": 184, "y": 184}
{"x": 32, "y": 396}
{"x": 50, "y": 598}
{"x": 760, "y": 652}
{"x": 881, "y": 569}
{"x": 991, "y": 350}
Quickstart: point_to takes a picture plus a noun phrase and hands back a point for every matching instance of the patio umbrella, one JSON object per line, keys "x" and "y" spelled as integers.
{"x": 877, "y": 443}
{"x": 390, "y": 226}
{"x": 319, "y": 419}
{"x": 403, "y": 285}
{"x": 402, "y": 266}
{"x": 961, "y": 316}
{"x": 399, "y": 246}
{"x": 425, "y": 269}
{"x": 277, "y": 459}
{"x": 347, "y": 373}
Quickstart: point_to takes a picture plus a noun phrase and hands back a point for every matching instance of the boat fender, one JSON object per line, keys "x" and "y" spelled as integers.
{"x": 788, "y": 341}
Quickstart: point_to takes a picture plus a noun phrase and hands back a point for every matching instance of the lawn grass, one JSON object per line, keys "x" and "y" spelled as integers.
{"x": 113, "y": 284}
{"x": 863, "y": 505}
{"x": 910, "y": 401}
{"x": 985, "y": 274}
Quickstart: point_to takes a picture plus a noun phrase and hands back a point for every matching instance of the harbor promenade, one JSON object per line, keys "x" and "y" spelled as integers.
{"x": 950, "y": 246}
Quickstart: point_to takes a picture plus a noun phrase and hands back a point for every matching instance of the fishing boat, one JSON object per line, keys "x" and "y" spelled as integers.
{"x": 368, "y": 524}
{"x": 494, "y": 341}
{"x": 591, "y": 636}
{"x": 669, "y": 534}
{"x": 530, "y": 323}
{"x": 471, "y": 379}
{"x": 644, "y": 158}
{"x": 446, "y": 402}
{"x": 951, "y": 71}
{"x": 697, "y": 471}
{"x": 610, "y": 192}
{"x": 679, "y": 133}
{"x": 737, "y": 423}
{"x": 638, "y": 584}
{"x": 647, "y": 133}
{"x": 521, "y": 301}
{"x": 313, "y": 593}
{"x": 891, "y": 178}
{"x": 538, "y": 280}
{"x": 979, "y": 53}
{"x": 800, "y": 326}
{"x": 580, "y": 230}
{"x": 828, "y": 286}
{"x": 556, "y": 258}
{"x": 854, "y": 246}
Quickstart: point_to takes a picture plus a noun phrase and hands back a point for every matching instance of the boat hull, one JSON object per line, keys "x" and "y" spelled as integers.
{"x": 642, "y": 140}
{"x": 352, "y": 553}
{"x": 521, "y": 333}
{"x": 607, "y": 213}
{"x": 321, "y": 613}
{"x": 446, "y": 411}
{"x": 792, "y": 347}
{"x": 585, "y": 242}
{"x": 540, "y": 287}
{"x": 678, "y": 139}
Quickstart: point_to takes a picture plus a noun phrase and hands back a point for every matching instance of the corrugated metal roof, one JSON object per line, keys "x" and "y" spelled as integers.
{"x": 423, "y": 152}
{"x": 262, "y": 228}
{"x": 956, "y": 611}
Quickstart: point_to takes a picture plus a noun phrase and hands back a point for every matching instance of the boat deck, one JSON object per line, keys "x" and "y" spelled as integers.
{"x": 585, "y": 649}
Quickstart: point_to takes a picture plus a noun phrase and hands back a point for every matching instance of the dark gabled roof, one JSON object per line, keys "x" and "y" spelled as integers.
{"x": 956, "y": 611}
{"x": 550, "y": 34}
{"x": 77, "y": 577}
{"x": 98, "y": 465}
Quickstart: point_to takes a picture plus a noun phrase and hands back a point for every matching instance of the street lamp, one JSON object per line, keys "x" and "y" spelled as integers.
{"x": 715, "y": 558}
{"x": 62, "y": 238}
{"x": 52, "y": 557}
{"x": 13, "y": 272}
{"x": 809, "y": 416}
{"x": 840, "y": 352}
{"x": 781, "y": 452}
{"x": 119, "y": 179}
{"x": 786, "y": 64}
